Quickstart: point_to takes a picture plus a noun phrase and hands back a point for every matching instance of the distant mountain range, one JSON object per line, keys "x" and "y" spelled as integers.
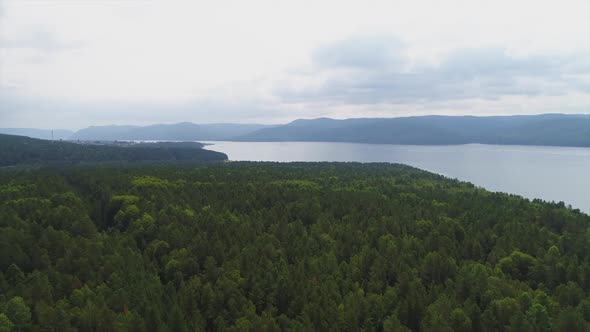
{"x": 546, "y": 129}
{"x": 184, "y": 131}
{"x": 38, "y": 133}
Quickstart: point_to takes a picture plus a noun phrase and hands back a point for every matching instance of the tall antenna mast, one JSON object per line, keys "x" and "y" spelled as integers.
{"x": 52, "y": 135}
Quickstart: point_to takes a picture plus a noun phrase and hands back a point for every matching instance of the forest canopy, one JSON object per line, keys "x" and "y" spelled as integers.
{"x": 277, "y": 247}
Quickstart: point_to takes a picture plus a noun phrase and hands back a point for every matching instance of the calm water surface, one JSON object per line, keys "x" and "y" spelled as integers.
{"x": 550, "y": 173}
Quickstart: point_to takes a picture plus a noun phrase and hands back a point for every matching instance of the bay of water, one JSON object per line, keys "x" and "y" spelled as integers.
{"x": 549, "y": 173}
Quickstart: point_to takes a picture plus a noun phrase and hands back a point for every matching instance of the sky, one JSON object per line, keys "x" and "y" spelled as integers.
{"x": 75, "y": 63}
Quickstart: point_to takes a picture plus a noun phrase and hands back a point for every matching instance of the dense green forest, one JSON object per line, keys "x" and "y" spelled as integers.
{"x": 16, "y": 150}
{"x": 277, "y": 247}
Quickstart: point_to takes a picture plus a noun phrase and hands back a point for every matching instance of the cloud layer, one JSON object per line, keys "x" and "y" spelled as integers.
{"x": 378, "y": 70}
{"x": 72, "y": 64}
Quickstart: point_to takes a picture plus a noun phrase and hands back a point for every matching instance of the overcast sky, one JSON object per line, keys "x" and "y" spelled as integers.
{"x": 71, "y": 64}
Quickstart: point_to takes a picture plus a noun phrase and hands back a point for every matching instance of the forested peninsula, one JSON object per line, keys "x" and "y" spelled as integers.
{"x": 21, "y": 150}
{"x": 284, "y": 247}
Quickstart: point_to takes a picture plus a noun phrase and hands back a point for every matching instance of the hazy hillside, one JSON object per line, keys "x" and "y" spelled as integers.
{"x": 184, "y": 131}
{"x": 548, "y": 129}
{"x": 38, "y": 133}
{"x": 572, "y": 131}
{"x": 24, "y": 150}
{"x": 105, "y": 133}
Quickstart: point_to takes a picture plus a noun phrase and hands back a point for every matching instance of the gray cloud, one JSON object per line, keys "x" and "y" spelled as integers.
{"x": 41, "y": 40}
{"x": 381, "y": 74}
{"x": 18, "y": 110}
{"x": 360, "y": 53}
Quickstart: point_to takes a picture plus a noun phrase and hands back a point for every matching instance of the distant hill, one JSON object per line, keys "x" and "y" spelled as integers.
{"x": 547, "y": 129}
{"x": 184, "y": 131}
{"x": 38, "y": 133}
{"x": 16, "y": 150}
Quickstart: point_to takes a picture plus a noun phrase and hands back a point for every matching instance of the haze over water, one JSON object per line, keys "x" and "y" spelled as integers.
{"x": 549, "y": 173}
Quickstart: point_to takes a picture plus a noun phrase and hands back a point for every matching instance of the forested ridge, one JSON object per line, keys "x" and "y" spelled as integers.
{"x": 19, "y": 150}
{"x": 544, "y": 129}
{"x": 271, "y": 247}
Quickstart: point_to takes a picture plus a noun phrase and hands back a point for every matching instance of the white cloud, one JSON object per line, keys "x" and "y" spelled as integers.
{"x": 372, "y": 71}
{"x": 144, "y": 53}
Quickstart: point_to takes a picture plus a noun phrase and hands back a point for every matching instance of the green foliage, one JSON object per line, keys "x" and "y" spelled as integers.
{"x": 437, "y": 268}
{"x": 518, "y": 265}
{"x": 300, "y": 184}
{"x": 570, "y": 320}
{"x": 281, "y": 247}
{"x": 5, "y": 324}
{"x": 18, "y": 312}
